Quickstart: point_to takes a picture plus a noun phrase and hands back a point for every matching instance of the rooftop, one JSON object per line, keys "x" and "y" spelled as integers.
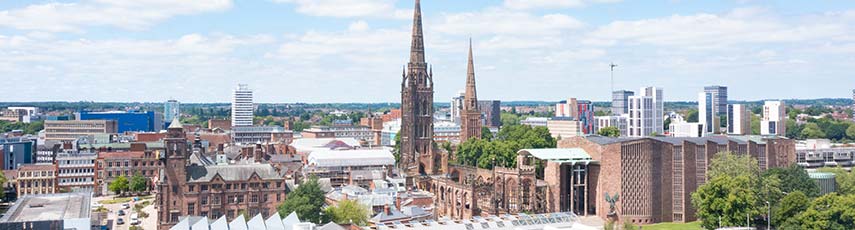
{"x": 47, "y": 207}
{"x": 343, "y": 158}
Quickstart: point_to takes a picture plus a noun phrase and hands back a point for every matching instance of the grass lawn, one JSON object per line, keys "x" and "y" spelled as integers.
{"x": 117, "y": 200}
{"x": 674, "y": 226}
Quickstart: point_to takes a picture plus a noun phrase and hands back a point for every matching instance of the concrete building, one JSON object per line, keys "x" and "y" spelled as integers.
{"x": 65, "y": 211}
{"x": 687, "y": 129}
{"x": 568, "y": 108}
{"x": 655, "y": 176}
{"x": 719, "y": 98}
{"x": 535, "y": 121}
{"x": 72, "y": 130}
{"x": 446, "y": 132}
{"x": 36, "y": 179}
{"x": 818, "y": 153}
{"x": 15, "y": 151}
{"x": 646, "y": 113}
{"x": 620, "y": 102}
{"x": 456, "y": 107}
{"x": 358, "y": 132}
{"x": 491, "y": 111}
{"x": 261, "y": 134}
{"x": 76, "y": 172}
{"x": 585, "y": 115}
{"x": 774, "y": 119}
{"x": 171, "y": 110}
{"x": 708, "y": 113}
{"x": 738, "y": 120}
{"x": 612, "y": 121}
{"x": 564, "y": 127}
{"x": 127, "y": 121}
{"x": 21, "y": 114}
{"x": 343, "y": 167}
{"x": 242, "y": 106}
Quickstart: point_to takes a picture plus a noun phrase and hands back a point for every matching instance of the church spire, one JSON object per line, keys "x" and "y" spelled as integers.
{"x": 471, "y": 96}
{"x": 417, "y": 49}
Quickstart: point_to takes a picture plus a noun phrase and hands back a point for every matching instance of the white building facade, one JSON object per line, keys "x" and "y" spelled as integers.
{"x": 774, "y": 119}
{"x": 242, "y": 106}
{"x": 646, "y": 113}
{"x": 738, "y": 120}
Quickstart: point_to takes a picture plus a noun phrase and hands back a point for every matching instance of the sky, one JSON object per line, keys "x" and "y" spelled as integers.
{"x": 318, "y": 51}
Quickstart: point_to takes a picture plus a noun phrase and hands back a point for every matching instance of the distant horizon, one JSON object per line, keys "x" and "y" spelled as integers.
{"x": 435, "y": 102}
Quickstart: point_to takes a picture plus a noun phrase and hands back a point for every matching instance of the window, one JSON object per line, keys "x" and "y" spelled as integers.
{"x": 243, "y": 186}
{"x": 191, "y": 209}
{"x": 204, "y": 201}
{"x": 254, "y": 198}
{"x": 278, "y": 196}
{"x": 264, "y": 198}
{"x": 216, "y": 200}
{"x": 230, "y": 199}
{"x": 228, "y": 186}
{"x": 240, "y": 199}
{"x": 190, "y": 188}
{"x": 204, "y": 188}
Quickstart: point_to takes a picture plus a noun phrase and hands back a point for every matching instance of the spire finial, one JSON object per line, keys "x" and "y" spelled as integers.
{"x": 417, "y": 48}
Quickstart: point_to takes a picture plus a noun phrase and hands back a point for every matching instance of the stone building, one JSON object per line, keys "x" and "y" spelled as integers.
{"x": 36, "y": 179}
{"x": 190, "y": 184}
{"x": 419, "y": 156}
{"x": 470, "y": 117}
{"x": 654, "y": 176}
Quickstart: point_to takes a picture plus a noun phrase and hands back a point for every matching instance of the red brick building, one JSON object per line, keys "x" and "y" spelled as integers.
{"x": 111, "y": 165}
{"x": 654, "y": 176}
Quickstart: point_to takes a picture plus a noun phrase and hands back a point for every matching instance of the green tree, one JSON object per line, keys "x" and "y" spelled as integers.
{"x": 610, "y": 131}
{"x": 396, "y": 148}
{"x": 790, "y": 206}
{"x": 812, "y": 130}
{"x": 831, "y": 211}
{"x": 692, "y": 115}
{"x": 850, "y": 132}
{"x": 732, "y": 192}
{"x": 486, "y": 134}
{"x": 509, "y": 118}
{"x": 755, "y": 125}
{"x": 667, "y": 124}
{"x": 307, "y": 201}
{"x": 348, "y": 212}
{"x": 794, "y": 179}
{"x": 119, "y": 185}
{"x": 725, "y": 199}
{"x": 138, "y": 183}
{"x": 2, "y": 181}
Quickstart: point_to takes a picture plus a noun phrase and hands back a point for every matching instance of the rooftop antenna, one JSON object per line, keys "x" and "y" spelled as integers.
{"x": 612, "y": 67}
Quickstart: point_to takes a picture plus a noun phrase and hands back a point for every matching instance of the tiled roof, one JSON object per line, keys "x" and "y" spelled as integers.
{"x": 239, "y": 172}
{"x": 121, "y": 155}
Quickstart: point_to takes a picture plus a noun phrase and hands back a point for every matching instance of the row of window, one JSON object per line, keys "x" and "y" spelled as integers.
{"x": 35, "y": 174}
{"x": 232, "y": 186}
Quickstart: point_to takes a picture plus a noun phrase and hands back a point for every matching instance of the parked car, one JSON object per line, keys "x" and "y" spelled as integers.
{"x": 121, "y": 212}
{"x": 120, "y": 221}
{"x": 135, "y": 219}
{"x": 126, "y": 206}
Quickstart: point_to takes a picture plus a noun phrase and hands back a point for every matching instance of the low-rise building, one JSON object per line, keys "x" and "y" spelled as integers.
{"x": 63, "y": 211}
{"x": 76, "y": 171}
{"x": 612, "y": 121}
{"x": 343, "y": 167}
{"x": 36, "y": 179}
{"x": 818, "y": 153}
{"x": 261, "y": 134}
{"x": 15, "y": 151}
{"x": 71, "y": 130}
{"x": 686, "y": 129}
{"x": 564, "y": 127}
{"x": 111, "y": 165}
{"x": 535, "y": 121}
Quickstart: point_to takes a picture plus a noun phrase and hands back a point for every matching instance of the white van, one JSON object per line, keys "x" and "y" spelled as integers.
{"x": 135, "y": 219}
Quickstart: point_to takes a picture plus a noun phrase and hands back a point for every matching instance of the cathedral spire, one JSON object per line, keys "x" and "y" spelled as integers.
{"x": 471, "y": 96}
{"x": 417, "y": 49}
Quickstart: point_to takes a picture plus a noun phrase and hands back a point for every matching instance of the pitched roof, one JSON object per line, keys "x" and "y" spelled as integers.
{"x": 240, "y": 172}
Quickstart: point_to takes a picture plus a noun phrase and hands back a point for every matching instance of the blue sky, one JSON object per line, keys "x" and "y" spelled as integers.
{"x": 354, "y": 50}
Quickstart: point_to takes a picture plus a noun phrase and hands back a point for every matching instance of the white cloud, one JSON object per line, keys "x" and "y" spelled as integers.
{"x": 741, "y": 26}
{"x": 358, "y": 26}
{"x": 534, "y": 4}
{"x": 348, "y": 8}
{"x": 73, "y": 17}
{"x": 503, "y": 21}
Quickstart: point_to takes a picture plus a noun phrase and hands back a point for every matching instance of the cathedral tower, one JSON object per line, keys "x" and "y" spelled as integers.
{"x": 417, "y": 152}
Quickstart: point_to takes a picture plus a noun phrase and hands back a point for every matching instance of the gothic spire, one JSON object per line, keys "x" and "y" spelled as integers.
{"x": 471, "y": 96}
{"x": 417, "y": 49}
